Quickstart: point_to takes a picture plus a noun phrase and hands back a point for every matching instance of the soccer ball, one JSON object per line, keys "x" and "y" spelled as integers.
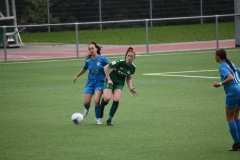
{"x": 77, "y": 118}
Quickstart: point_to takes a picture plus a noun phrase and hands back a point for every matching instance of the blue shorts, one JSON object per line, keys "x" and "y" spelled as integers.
{"x": 93, "y": 86}
{"x": 232, "y": 103}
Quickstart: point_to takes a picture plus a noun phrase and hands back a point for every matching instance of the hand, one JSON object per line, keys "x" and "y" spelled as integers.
{"x": 110, "y": 82}
{"x": 74, "y": 79}
{"x": 215, "y": 84}
{"x": 134, "y": 91}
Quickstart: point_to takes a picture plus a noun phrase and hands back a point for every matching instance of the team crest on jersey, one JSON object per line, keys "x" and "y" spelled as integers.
{"x": 98, "y": 64}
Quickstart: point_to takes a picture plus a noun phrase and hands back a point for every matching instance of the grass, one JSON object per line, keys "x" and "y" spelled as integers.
{"x": 134, "y": 36}
{"x": 173, "y": 117}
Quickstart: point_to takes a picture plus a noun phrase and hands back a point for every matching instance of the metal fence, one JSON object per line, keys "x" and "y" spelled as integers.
{"x": 146, "y": 21}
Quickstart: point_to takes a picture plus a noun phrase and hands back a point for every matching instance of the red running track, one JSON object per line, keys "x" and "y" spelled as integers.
{"x": 38, "y": 54}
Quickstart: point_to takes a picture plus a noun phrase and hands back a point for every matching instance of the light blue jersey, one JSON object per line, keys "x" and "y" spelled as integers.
{"x": 96, "y": 75}
{"x": 232, "y": 89}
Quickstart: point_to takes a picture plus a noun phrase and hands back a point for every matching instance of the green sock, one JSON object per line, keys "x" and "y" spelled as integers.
{"x": 113, "y": 109}
{"x": 103, "y": 103}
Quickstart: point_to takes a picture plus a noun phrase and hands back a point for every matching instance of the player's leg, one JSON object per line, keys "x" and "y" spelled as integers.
{"x": 237, "y": 119}
{"x": 116, "y": 98}
{"x": 107, "y": 93}
{"x": 231, "y": 109}
{"x": 88, "y": 93}
{"x": 97, "y": 98}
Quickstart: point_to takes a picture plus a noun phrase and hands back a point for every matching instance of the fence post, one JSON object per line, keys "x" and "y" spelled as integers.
{"x": 76, "y": 29}
{"x": 217, "y": 32}
{"x": 147, "y": 36}
{"x": 237, "y": 23}
{"x": 48, "y": 15}
{"x": 201, "y": 11}
{"x": 100, "y": 13}
{"x": 5, "y": 43}
{"x": 151, "y": 12}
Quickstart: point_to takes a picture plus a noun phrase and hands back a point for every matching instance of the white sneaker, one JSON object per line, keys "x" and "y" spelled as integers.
{"x": 85, "y": 113}
{"x": 98, "y": 121}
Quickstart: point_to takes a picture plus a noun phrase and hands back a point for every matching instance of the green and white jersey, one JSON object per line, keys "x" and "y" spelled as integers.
{"x": 120, "y": 71}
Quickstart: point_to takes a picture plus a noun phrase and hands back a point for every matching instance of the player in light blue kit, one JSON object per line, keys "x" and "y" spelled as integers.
{"x": 96, "y": 76}
{"x": 230, "y": 79}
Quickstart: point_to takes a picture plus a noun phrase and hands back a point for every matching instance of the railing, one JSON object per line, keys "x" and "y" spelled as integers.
{"x": 107, "y": 22}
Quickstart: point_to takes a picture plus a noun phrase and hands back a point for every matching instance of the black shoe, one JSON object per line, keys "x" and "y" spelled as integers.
{"x": 109, "y": 123}
{"x": 102, "y": 112}
{"x": 235, "y": 147}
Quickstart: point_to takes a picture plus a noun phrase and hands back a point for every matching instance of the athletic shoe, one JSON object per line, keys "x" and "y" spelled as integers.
{"x": 98, "y": 121}
{"x": 109, "y": 123}
{"x": 235, "y": 147}
{"x": 85, "y": 113}
{"x": 102, "y": 112}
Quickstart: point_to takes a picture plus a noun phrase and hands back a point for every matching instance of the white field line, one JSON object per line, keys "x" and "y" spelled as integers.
{"x": 180, "y": 72}
{"x": 171, "y": 74}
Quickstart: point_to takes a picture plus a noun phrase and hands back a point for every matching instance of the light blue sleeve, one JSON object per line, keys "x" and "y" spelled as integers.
{"x": 86, "y": 65}
{"x": 224, "y": 72}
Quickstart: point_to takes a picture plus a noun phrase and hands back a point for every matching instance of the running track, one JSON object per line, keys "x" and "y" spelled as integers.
{"x": 59, "y": 51}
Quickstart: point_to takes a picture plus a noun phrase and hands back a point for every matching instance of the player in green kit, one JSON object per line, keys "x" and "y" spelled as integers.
{"x": 122, "y": 70}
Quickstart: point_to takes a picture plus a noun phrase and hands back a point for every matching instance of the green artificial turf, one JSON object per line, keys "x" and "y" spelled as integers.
{"x": 178, "y": 114}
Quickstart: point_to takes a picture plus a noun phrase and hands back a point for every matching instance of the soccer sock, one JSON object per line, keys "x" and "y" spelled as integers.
{"x": 97, "y": 111}
{"x": 113, "y": 109}
{"x": 87, "y": 106}
{"x": 103, "y": 103}
{"x": 234, "y": 131}
{"x": 238, "y": 126}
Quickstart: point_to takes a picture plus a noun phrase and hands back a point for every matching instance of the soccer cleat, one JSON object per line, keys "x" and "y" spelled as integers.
{"x": 235, "y": 147}
{"x": 102, "y": 112}
{"x": 98, "y": 121}
{"x": 85, "y": 113}
{"x": 109, "y": 123}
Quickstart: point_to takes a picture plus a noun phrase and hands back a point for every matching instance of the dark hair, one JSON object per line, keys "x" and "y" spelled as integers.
{"x": 97, "y": 46}
{"x": 223, "y": 55}
{"x": 130, "y": 49}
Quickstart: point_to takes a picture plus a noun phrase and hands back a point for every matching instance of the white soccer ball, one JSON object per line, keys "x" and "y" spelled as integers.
{"x": 77, "y": 118}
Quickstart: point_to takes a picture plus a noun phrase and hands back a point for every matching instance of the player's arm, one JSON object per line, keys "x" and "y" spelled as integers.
{"x": 129, "y": 83}
{"x": 226, "y": 81}
{"x": 106, "y": 68}
{"x": 82, "y": 71}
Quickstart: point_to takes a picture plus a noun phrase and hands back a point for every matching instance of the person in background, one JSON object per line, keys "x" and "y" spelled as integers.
{"x": 96, "y": 76}
{"x": 230, "y": 80}
{"x": 122, "y": 70}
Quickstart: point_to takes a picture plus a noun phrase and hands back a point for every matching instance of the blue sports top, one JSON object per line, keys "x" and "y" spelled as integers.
{"x": 232, "y": 89}
{"x": 95, "y": 67}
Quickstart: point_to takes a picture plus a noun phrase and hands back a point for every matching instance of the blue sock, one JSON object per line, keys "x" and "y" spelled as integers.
{"x": 97, "y": 111}
{"x": 238, "y": 126}
{"x": 234, "y": 131}
{"x": 87, "y": 106}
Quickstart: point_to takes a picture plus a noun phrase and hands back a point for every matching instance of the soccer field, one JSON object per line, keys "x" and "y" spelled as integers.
{"x": 178, "y": 114}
